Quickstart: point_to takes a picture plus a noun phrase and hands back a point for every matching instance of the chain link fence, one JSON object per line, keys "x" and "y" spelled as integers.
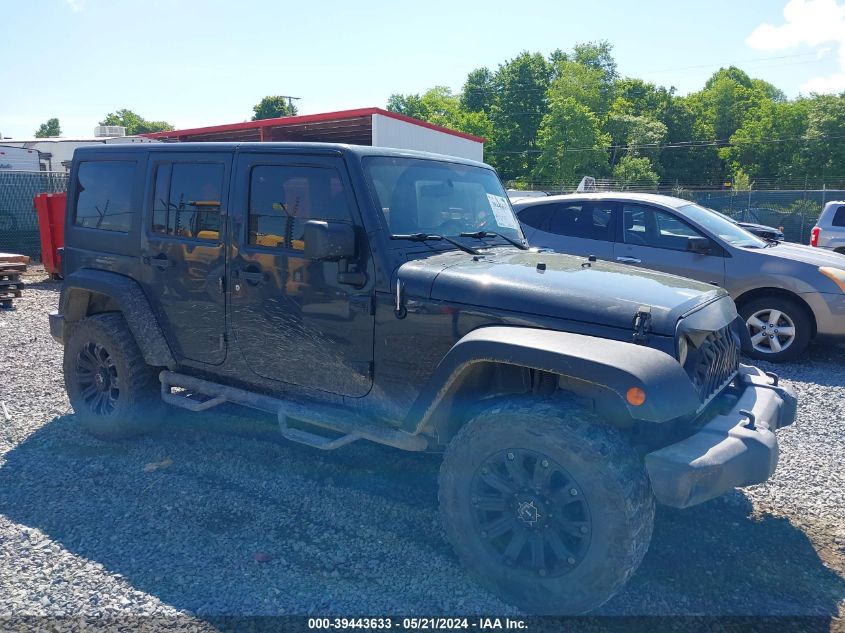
{"x": 795, "y": 211}
{"x": 18, "y": 222}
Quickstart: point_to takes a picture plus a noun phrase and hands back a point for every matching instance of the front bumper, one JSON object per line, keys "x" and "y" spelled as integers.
{"x": 737, "y": 448}
{"x": 829, "y": 313}
{"x": 57, "y": 326}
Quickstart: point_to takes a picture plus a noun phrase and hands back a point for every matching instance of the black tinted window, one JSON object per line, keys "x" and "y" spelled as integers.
{"x": 646, "y": 226}
{"x": 282, "y": 199}
{"x": 839, "y": 217}
{"x": 188, "y": 200}
{"x": 584, "y": 220}
{"x": 534, "y": 216}
{"x": 104, "y": 195}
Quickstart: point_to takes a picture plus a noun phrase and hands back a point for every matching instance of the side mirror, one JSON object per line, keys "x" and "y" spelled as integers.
{"x": 700, "y": 245}
{"x": 329, "y": 240}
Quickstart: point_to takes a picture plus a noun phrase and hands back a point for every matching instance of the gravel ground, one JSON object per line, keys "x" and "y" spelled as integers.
{"x": 219, "y": 516}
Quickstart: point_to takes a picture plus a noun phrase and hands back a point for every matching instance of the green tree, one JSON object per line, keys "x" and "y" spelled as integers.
{"x": 477, "y": 94}
{"x": 584, "y": 84}
{"x": 134, "y": 123}
{"x": 635, "y": 171}
{"x": 824, "y": 148}
{"x": 517, "y": 111}
{"x": 272, "y": 107}
{"x": 635, "y": 136}
{"x": 769, "y": 144}
{"x": 571, "y": 143}
{"x": 48, "y": 129}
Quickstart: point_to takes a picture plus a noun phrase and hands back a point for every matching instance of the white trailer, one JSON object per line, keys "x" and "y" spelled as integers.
{"x": 56, "y": 153}
{"x": 18, "y": 159}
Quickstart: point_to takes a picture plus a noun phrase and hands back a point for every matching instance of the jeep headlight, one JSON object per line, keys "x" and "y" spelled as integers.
{"x": 683, "y": 350}
{"x": 836, "y": 275}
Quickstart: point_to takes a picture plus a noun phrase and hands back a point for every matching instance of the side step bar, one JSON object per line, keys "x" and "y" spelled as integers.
{"x": 350, "y": 424}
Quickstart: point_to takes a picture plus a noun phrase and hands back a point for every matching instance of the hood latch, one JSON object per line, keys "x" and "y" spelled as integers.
{"x": 642, "y": 325}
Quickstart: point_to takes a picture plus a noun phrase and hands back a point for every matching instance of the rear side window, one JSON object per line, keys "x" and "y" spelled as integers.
{"x": 535, "y": 216}
{"x": 584, "y": 220}
{"x": 283, "y": 198}
{"x": 104, "y": 195}
{"x": 188, "y": 200}
{"x": 839, "y": 217}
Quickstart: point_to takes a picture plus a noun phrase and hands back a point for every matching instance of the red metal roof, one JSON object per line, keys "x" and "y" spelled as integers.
{"x": 344, "y": 123}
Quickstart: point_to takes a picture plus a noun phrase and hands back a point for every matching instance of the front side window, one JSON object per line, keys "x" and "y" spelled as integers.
{"x": 646, "y": 226}
{"x": 188, "y": 200}
{"x": 283, "y": 198}
{"x": 586, "y": 220}
{"x": 429, "y": 196}
{"x": 104, "y": 195}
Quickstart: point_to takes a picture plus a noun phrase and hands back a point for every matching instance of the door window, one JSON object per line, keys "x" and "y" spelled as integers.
{"x": 536, "y": 216}
{"x": 188, "y": 200}
{"x": 283, "y": 198}
{"x": 584, "y": 220}
{"x": 104, "y": 198}
{"x": 646, "y": 226}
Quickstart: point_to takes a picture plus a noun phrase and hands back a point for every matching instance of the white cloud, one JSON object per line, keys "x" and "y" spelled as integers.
{"x": 74, "y": 5}
{"x": 810, "y": 23}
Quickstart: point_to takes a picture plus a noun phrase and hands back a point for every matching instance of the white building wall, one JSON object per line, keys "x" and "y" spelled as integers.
{"x": 390, "y": 132}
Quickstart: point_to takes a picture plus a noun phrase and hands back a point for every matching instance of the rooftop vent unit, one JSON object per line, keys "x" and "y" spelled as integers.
{"x": 109, "y": 130}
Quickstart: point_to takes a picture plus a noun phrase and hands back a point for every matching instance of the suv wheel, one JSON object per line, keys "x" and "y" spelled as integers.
{"x": 552, "y": 511}
{"x": 778, "y": 329}
{"x": 114, "y": 393}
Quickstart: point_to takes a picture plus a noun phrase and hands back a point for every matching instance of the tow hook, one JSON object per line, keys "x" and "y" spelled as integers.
{"x": 751, "y": 425}
{"x": 774, "y": 378}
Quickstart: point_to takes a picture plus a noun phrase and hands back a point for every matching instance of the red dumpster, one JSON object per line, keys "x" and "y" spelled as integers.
{"x": 50, "y": 208}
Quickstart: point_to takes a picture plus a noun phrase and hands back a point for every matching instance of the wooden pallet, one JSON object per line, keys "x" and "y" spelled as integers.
{"x": 13, "y": 258}
{"x": 12, "y": 266}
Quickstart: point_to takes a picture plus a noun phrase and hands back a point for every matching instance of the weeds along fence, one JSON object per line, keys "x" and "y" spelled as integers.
{"x": 18, "y": 222}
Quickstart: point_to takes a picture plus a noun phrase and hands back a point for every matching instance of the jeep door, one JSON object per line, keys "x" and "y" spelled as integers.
{"x": 576, "y": 227}
{"x": 183, "y": 250}
{"x": 660, "y": 240}
{"x": 295, "y": 320}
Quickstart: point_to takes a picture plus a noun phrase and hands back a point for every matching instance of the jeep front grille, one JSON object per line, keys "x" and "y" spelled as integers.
{"x": 714, "y": 363}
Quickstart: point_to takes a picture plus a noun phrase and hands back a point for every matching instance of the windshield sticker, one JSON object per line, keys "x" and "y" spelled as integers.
{"x": 502, "y": 211}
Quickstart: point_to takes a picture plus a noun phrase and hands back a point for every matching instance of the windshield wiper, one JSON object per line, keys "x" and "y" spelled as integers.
{"x": 482, "y": 234}
{"x": 770, "y": 242}
{"x": 424, "y": 237}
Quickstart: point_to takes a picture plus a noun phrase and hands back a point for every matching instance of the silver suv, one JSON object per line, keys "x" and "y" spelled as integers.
{"x": 787, "y": 294}
{"x": 829, "y": 231}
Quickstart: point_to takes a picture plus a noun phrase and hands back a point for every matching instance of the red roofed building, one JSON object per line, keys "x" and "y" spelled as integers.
{"x": 365, "y": 126}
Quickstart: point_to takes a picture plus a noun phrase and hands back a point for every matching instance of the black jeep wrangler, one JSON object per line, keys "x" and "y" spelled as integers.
{"x": 367, "y": 293}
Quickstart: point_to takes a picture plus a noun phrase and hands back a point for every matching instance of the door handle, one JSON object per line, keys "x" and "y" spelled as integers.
{"x": 159, "y": 261}
{"x": 251, "y": 277}
{"x": 628, "y": 260}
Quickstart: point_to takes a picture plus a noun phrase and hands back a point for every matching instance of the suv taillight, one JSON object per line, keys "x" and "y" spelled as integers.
{"x": 814, "y": 236}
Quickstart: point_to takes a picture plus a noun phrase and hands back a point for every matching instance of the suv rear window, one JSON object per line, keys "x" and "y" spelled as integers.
{"x": 104, "y": 195}
{"x": 839, "y": 217}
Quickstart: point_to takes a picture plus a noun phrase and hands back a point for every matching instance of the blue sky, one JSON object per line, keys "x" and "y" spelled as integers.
{"x": 193, "y": 62}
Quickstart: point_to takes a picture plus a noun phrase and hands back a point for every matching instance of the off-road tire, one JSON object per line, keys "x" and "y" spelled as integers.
{"x": 136, "y": 401}
{"x": 795, "y": 312}
{"x": 611, "y": 477}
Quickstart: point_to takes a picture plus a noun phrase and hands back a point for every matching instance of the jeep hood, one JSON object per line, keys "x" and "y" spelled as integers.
{"x": 556, "y": 285}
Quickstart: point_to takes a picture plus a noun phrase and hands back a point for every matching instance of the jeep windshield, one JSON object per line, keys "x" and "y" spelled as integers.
{"x": 430, "y": 197}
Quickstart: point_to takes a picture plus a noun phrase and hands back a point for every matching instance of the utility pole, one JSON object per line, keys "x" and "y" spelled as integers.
{"x": 290, "y": 99}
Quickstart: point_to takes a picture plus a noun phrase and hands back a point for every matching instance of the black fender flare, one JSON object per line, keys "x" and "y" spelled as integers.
{"x": 131, "y": 302}
{"x": 594, "y": 365}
